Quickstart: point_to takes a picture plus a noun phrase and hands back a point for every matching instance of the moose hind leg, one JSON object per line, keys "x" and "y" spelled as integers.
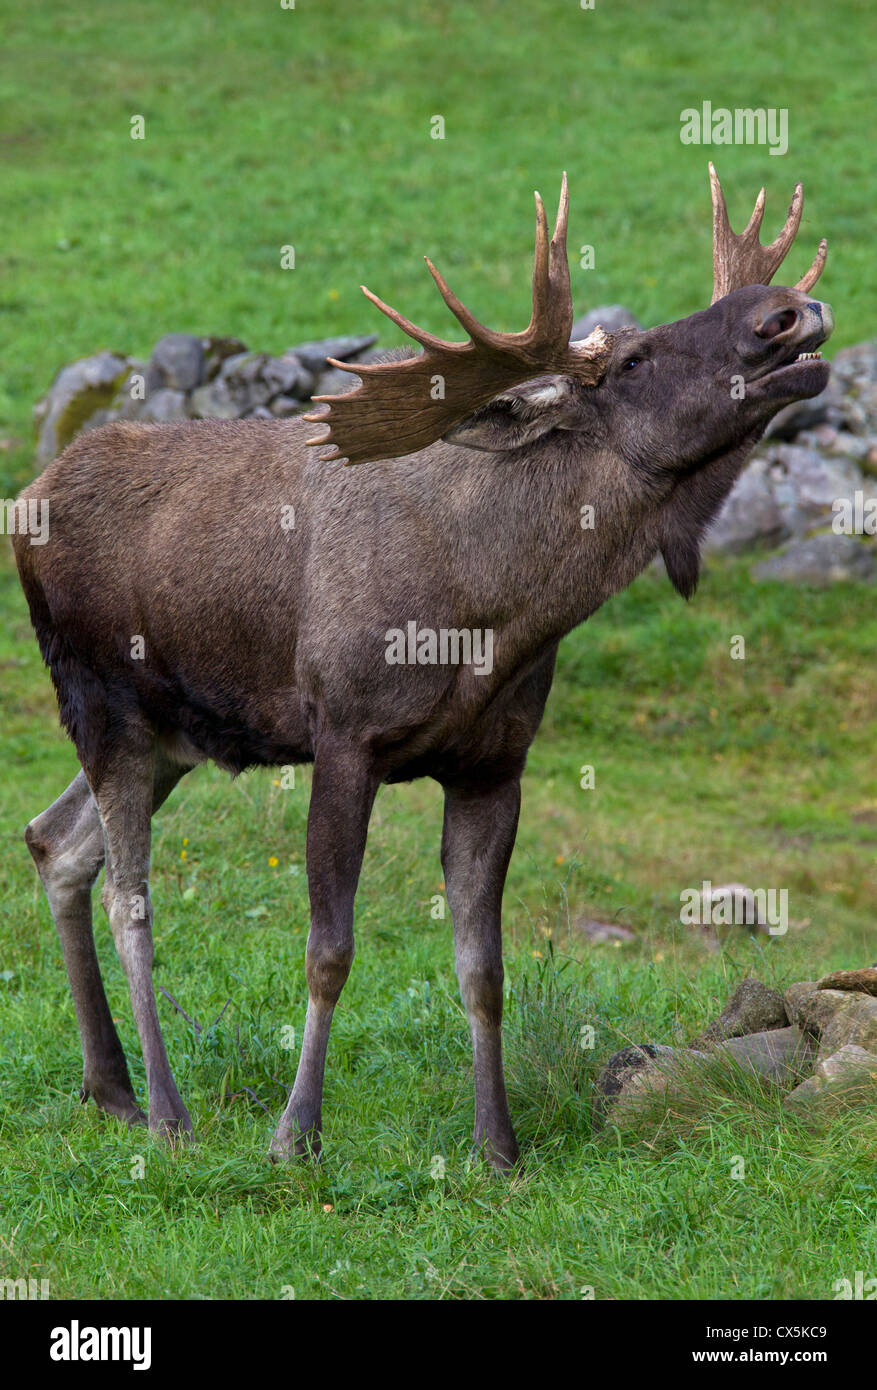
{"x": 129, "y": 787}
{"x": 67, "y": 846}
{"x": 477, "y": 841}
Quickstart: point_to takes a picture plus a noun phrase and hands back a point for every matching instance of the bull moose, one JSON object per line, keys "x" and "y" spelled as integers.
{"x": 266, "y": 645}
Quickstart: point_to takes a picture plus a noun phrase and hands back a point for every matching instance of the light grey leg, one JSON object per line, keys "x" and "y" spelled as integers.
{"x": 125, "y": 795}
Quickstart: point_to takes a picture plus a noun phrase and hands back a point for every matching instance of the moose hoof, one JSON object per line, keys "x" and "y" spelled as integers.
{"x": 114, "y": 1099}
{"x": 174, "y": 1128}
{"x": 501, "y": 1155}
{"x": 290, "y": 1144}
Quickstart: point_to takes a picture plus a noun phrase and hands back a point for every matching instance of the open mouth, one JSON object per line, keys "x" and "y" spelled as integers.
{"x": 793, "y": 359}
{"x": 799, "y": 375}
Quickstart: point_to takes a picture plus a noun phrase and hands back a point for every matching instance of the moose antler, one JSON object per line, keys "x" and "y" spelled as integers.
{"x": 404, "y": 406}
{"x": 740, "y": 260}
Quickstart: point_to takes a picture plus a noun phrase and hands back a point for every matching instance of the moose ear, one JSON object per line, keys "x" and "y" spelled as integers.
{"x": 517, "y": 417}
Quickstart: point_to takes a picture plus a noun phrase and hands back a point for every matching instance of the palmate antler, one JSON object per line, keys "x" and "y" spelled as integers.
{"x": 404, "y": 406}
{"x": 740, "y": 260}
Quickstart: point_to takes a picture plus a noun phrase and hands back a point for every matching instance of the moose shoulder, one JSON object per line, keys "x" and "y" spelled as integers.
{"x": 264, "y": 643}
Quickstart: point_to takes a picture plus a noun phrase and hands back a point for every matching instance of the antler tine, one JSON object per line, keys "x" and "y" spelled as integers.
{"x": 419, "y": 335}
{"x": 541, "y": 267}
{"x": 806, "y": 283}
{"x": 721, "y": 224}
{"x": 558, "y": 241}
{"x": 559, "y": 284}
{"x": 740, "y": 260}
{"x": 753, "y": 226}
{"x": 782, "y": 242}
{"x": 477, "y": 331}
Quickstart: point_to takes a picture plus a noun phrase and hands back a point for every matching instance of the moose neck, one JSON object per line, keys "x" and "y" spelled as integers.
{"x": 537, "y": 540}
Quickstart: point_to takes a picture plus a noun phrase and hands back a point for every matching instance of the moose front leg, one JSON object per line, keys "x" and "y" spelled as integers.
{"x": 477, "y": 840}
{"x": 342, "y": 794}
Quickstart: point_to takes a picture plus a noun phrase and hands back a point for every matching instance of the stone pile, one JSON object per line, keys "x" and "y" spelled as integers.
{"x": 187, "y": 377}
{"x": 818, "y": 1042}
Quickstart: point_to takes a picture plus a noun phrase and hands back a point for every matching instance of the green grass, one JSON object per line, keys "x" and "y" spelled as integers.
{"x": 266, "y": 127}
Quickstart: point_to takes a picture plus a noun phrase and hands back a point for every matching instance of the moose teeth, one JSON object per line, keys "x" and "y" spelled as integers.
{"x": 808, "y": 356}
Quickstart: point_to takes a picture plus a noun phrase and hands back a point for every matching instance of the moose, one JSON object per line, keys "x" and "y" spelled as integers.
{"x": 265, "y": 644}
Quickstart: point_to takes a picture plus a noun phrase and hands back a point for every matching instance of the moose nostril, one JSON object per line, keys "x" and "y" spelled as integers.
{"x": 778, "y": 322}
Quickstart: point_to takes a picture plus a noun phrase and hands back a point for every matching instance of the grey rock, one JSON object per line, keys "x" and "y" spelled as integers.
{"x": 822, "y": 437}
{"x": 213, "y": 401}
{"x": 752, "y": 1008}
{"x": 750, "y": 513}
{"x": 334, "y": 382}
{"x": 853, "y": 389}
{"x": 610, "y": 317}
{"x": 819, "y": 561}
{"x": 284, "y": 406}
{"x": 243, "y": 366}
{"x": 795, "y": 997}
{"x": 163, "y": 406}
{"x": 862, "y": 981}
{"x": 806, "y": 483}
{"x": 313, "y": 355}
{"x": 727, "y": 905}
{"x": 80, "y": 389}
{"x": 242, "y": 377}
{"x": 628, "y": 1083}
{"x": 178, "y": 361}
{"x": 286, "y": 376}
{"x": 216, "y": 350}
{"x": 623, "y": 1066}
{"x": 842, "y": 444}
{"x": 780, "y": 1055}
{"x": 857, "y": 361}
{"x": 259, "y": 412}
{"x": 833, "y": 1016}
{"x": 845, "y": 1078}
{"x": 635, "y": 1075}
{"x": 131, "y": 395}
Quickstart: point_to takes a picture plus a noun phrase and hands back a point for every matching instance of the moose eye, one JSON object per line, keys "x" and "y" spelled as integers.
{"x": 631, "y": 362}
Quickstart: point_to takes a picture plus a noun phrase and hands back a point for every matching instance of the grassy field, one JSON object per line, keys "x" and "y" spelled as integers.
{"x": 267, "y": 127}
